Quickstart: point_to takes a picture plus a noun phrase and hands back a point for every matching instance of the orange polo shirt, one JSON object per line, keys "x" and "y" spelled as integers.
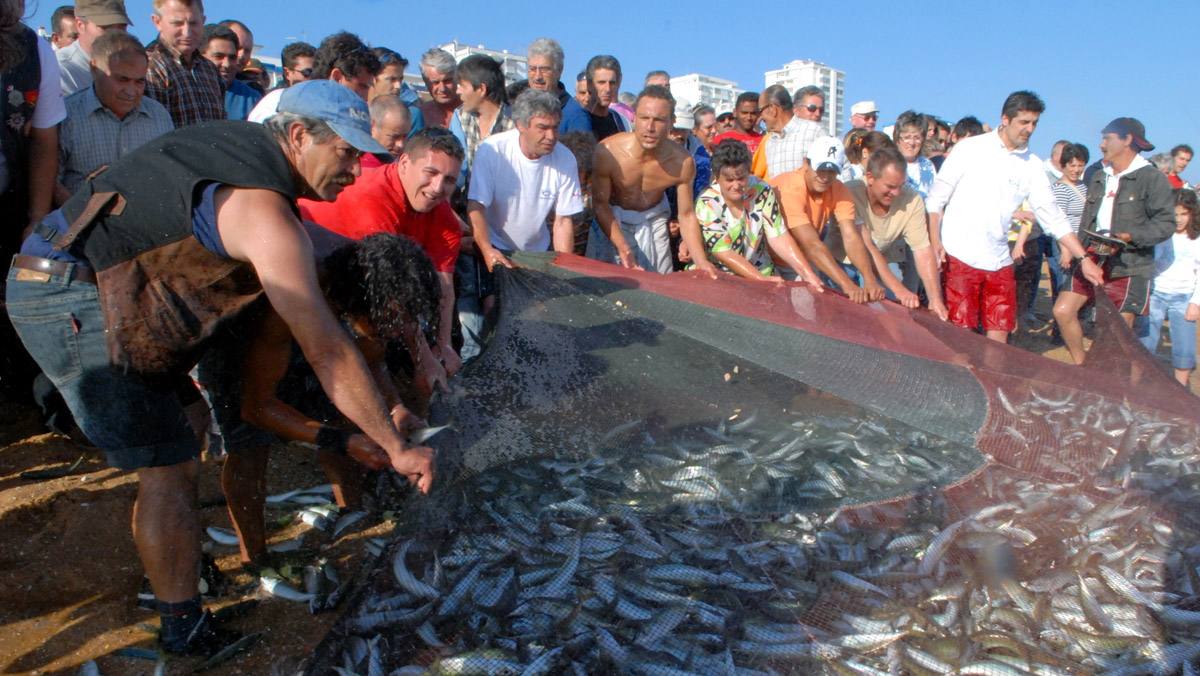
{"x": 801, "y": 206}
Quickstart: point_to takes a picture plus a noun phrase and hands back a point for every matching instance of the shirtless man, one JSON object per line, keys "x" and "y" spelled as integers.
{"x": 633, "y": 169}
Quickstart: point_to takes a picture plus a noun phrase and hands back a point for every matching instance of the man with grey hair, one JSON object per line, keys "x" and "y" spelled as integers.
{"x": 545, "y": 58}
{"x": 790, "y": 135}
{"x": 810, "y": 103}
{"x": 604, "y": 84}
{"x": 437, "y": 69}
{"x": 518, "y": 176}
{"x": 657, "y": 77}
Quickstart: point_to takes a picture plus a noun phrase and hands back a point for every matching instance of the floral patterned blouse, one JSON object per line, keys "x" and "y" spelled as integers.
{"x": 761, "y": 219}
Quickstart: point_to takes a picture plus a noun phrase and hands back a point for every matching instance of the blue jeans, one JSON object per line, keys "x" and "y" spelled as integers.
{"x": 61, "y": 325}
{"x": 475, "y": 284}
{"x": 1049, "y": 249}
{"x": 1172, "y": 307}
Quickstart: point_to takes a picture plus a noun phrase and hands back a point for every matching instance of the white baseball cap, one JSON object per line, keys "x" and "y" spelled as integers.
{"x": 684, "y": 118}
{"x": 863, "y": 108}
{"x": 827, "y": 153}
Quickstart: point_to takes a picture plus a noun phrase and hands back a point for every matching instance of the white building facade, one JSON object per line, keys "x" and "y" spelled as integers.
{"x": 797, "y": 74}
{"x": 700, "y": 89}
{"x": 515, "y": 66}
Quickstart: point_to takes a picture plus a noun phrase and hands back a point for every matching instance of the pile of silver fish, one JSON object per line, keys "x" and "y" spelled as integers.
{"x": 724, "y": 551}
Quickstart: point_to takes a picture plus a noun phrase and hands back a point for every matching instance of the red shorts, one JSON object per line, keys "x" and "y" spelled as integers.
{"x": 977, "y": 297}
{"x": 1130, "y": 294}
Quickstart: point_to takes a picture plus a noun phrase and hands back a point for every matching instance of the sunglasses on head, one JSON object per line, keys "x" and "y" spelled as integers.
{"x": 393, "y": 57}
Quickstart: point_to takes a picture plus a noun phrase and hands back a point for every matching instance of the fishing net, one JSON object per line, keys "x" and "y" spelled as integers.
{"x": 666, "y": 475}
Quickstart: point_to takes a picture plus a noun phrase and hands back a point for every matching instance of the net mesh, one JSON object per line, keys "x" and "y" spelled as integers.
{"x": 666, "y": 475}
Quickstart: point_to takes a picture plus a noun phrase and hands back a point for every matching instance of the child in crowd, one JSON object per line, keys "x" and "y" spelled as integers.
{"x": 1176, "y": 294}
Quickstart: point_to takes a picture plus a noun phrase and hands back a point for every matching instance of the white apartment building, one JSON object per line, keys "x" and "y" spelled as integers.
{"x": 796, "y": 74}
{"x": 515, "y": 66}
{"x": 700, "y": 89}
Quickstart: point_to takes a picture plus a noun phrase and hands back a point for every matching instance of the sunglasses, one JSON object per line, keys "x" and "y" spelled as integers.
{"x": 306, "y": 72}
{"x": 392, "y": 57}
{"x": 813, "y": 109}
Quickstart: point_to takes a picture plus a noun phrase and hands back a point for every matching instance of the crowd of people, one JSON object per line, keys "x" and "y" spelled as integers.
{"x": 305, "y": 252}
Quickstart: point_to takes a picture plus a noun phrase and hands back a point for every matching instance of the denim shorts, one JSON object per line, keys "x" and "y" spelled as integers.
{"x": 135, "y": 423}
{"x": 1171, "y": 307}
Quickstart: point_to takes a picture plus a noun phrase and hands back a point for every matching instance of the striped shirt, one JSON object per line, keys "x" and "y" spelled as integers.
{"x": 1071, "y": 201}
{"x": 92, "y": 136}
{"x": 192, "y": 94}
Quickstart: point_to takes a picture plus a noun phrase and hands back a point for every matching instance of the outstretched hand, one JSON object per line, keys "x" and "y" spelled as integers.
{"x": 415, "y": 463}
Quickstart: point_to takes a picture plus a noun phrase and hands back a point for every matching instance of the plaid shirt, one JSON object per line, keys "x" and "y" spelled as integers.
{"x": 786, "y": 148}
{"x": 92, "y": 136}
{"x": 192, "y": 95}
{"x": 474, "y": 135}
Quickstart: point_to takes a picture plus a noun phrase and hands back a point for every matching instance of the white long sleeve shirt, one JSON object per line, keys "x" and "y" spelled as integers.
{"x": 979, "y": 187}
{"x": 1177, "y": 266}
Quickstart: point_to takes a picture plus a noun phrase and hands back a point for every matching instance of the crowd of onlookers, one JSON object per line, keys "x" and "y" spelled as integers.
{"x": 879, "y": 213}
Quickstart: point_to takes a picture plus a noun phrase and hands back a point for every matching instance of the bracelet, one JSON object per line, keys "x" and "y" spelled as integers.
{"x": 332, "y": 439}
{"x": 397, "y": 407}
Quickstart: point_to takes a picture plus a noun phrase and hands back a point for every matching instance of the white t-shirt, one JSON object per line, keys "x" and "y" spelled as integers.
{"x": 1176, "y": 266}
{"x": 268, "y": 106}
{"x": 49, "y": 109}
{"x": 518, "y": 192}
{"x": 1112, "y": 181}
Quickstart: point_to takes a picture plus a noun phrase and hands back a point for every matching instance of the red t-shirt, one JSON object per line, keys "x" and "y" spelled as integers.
{"x": 751, "y": 140}
{"x": 370, "y": 161}
{"x": 1175, "y": 181}
{"x": 377, "y": 203}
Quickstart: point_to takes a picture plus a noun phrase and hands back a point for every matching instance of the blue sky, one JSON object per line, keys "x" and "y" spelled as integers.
{"x": 1090, "y": 61}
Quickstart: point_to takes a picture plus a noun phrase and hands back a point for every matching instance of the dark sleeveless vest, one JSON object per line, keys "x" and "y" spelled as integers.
{"x": 163, "y": 294}
{"x": 19, "y": 88}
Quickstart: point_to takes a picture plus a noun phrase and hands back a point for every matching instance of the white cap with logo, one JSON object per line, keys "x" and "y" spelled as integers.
{"x": 827, "y": 153}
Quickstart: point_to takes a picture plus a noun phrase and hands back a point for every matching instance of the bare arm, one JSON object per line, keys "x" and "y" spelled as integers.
{"x": 43, "y": 173}
{"x": 264, "y": 365}
{"x": 450, "y": 359}
{"x": 689, "y": 226}
{"x": 927, "y": 270}
{"x": 860, "y": 258}
{"x": 741, "y": 267}
{"x": 477, "y": 215}
{"x": 935, "y": 238}
{"x": 563, "y": 234}
{"x": 606, "y": 165}
{"x": 886, "y": 276}
{"x": 259, "y": 227}
{"x": 819, "y": 254}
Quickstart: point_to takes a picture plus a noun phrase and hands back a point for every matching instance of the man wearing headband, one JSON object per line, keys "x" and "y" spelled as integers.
{"x": 1129, "y": 200}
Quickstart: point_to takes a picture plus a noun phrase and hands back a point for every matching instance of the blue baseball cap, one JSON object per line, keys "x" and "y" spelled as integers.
{"x": 345, "y": 112}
